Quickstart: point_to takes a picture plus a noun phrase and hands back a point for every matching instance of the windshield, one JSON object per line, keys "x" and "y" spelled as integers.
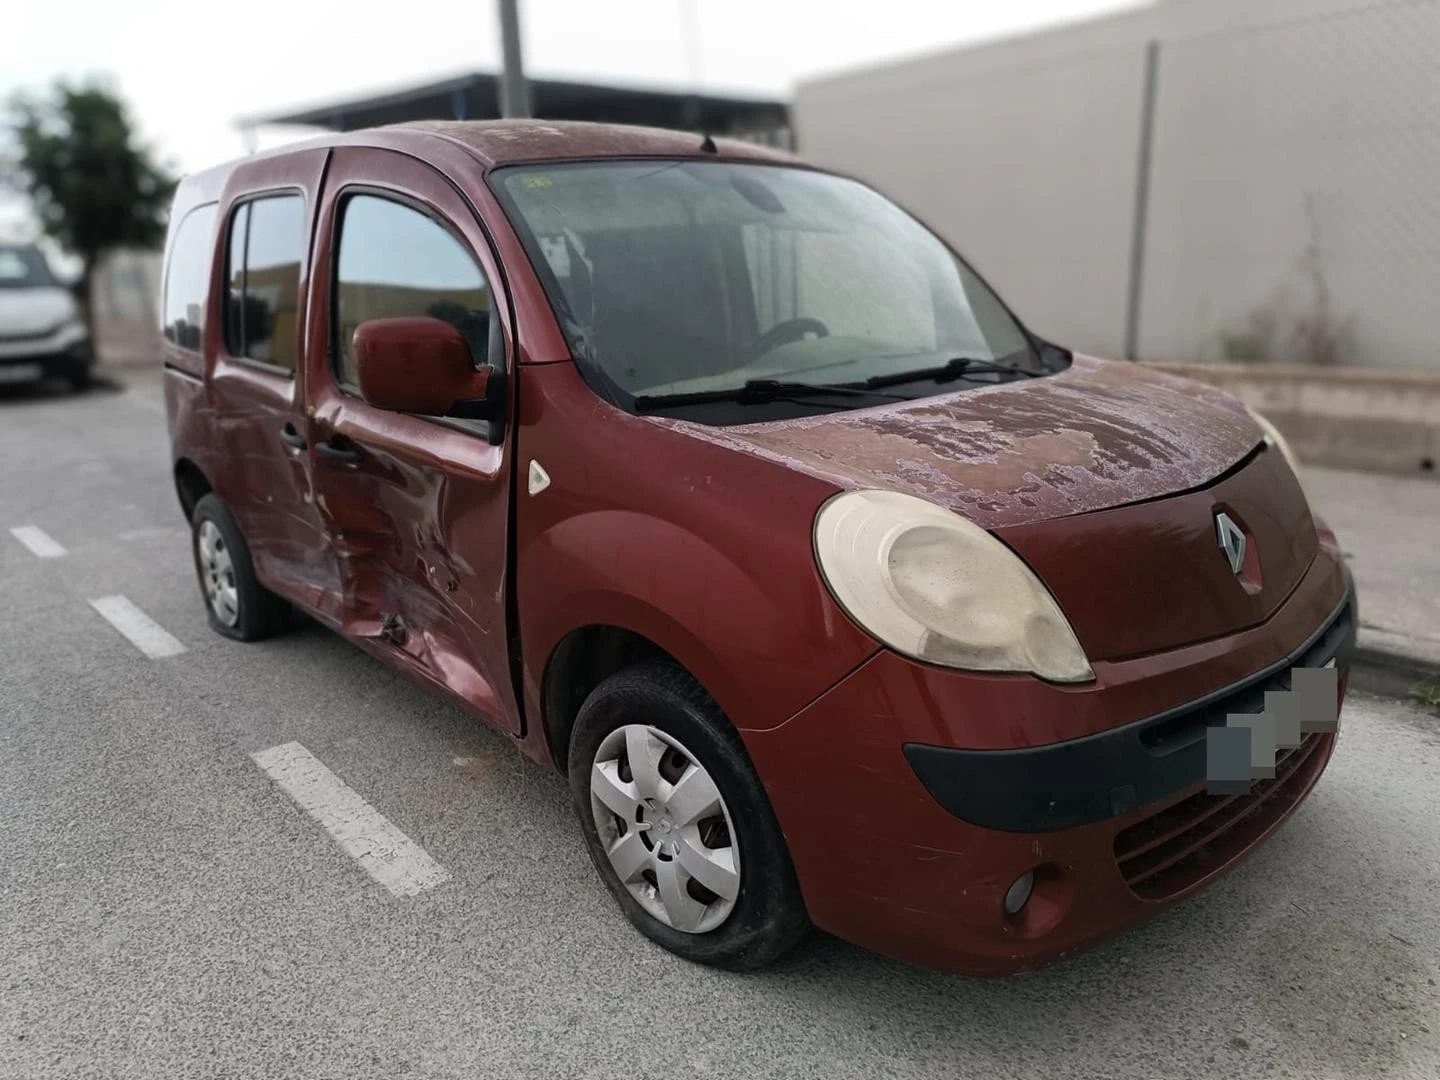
{"x": 690, "y": 277}
{"x": 23, "y": 268}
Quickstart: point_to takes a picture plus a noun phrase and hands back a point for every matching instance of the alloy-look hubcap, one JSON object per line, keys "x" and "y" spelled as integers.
{"x": 665, "y": 828}
{"x": 217, "y": 574}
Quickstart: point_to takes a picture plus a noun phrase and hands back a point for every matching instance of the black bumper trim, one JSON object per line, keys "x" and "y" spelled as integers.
{"x": 1104, "y": 776}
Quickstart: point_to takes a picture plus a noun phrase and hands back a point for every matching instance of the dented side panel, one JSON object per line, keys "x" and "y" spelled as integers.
{"x": 417, "y": 514}
{"x": 252, "y": 408}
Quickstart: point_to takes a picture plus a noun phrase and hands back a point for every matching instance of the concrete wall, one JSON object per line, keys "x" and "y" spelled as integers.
{"x": 1350, "y": 418}
{"x": 127, "y": 287}
{"x": 127, "y": 304}
{"x": 1295, "y": 142}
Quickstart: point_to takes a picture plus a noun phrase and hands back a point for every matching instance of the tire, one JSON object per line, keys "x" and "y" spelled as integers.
{"x": 237, "y": 604}
{"x": 685, "y": 731}
{"x": 79, "y": 370}
{"x": 81, "y": 377}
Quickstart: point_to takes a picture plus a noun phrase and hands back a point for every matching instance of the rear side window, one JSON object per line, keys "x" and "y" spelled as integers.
{"x": 265, "y": 249}
{"x": 187, "y": 278}
{"x": 395, "y": 260}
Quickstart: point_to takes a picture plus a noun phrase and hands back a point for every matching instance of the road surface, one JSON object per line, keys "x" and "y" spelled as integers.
{"x": 170, "y": 908}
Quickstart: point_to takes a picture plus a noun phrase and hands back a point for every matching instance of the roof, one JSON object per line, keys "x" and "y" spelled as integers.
{"x": 496, "y": 142}
{"x": 476, "y": 95}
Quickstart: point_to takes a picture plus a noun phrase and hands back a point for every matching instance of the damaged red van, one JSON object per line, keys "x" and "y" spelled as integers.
{"x": 842, "y": 598}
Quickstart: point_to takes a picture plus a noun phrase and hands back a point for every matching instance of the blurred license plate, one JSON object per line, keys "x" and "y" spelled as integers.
{"x": 12, "y": 373}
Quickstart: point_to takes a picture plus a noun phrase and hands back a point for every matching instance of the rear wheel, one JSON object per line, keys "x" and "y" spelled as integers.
{"x": 238, "y": 605}
{"x": 678, "y": 824}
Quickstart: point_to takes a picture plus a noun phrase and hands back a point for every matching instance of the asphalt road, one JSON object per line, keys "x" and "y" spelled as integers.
{"x": 166, "y": 910}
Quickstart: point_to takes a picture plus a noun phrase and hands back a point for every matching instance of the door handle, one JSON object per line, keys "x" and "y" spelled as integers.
{"x": 329, "y": 448}
{"x": 290, "y": 437}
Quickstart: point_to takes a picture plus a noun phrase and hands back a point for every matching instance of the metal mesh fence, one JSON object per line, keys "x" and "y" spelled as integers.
{"x": 1294, "y": 212}
{"x": 1277, "y": 202}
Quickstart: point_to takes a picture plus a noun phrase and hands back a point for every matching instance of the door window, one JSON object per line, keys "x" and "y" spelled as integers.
{"x": 266, "y": 248}
{"x": 393, "y": 261}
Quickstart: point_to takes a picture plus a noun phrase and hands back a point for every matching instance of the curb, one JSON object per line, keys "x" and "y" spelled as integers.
{"x": 1379, "y": 671}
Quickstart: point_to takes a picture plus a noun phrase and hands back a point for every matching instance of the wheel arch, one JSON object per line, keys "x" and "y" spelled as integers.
{"x": 191, "y": 485}
{"x": 580, "y": 661}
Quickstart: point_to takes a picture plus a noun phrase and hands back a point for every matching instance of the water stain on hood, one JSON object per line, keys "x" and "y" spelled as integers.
{"x": 1100, "y": 435}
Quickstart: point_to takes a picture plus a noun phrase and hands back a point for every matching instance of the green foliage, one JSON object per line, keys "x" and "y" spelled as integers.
{"x": 1427, "y": 694}
{"x": 92, "y": 186}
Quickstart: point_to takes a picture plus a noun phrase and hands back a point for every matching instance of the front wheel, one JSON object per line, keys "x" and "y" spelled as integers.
{"x": 678, "y": 824}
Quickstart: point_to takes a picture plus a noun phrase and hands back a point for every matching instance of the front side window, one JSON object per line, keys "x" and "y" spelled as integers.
{"x": 394, "y": 261}
{"x": 265, "y": 250}
{"x": 687, "y": 277}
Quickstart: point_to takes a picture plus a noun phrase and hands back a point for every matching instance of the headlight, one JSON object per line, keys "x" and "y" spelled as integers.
{"x": 1275, "y": 439}
{"x": 934, "y": 586}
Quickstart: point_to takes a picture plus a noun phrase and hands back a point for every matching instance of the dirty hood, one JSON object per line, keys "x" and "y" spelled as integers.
{"x": 1099, "y": 435}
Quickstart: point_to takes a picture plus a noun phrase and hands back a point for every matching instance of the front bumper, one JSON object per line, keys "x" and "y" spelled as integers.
{"x": 64, "y": 352}
{"x": 884, "y": 864}
{"x": 1083, "y": 781}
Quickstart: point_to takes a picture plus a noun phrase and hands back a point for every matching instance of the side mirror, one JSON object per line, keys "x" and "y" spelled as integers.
{"x": 417, "y": 364}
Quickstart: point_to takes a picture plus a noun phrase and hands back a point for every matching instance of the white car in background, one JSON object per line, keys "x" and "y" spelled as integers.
{"x": 42, "y": 332}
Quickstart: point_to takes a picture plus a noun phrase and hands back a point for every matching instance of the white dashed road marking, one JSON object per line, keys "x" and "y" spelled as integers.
{"x": 365, "y": 834}
{"x": 40, "y": 543}
{"x": 144, "y": 633}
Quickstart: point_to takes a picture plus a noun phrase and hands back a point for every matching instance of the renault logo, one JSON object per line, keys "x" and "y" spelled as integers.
{"x": 1232, "y": 541}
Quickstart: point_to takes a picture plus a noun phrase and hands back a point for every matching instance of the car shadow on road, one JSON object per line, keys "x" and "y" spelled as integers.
{"x": 1268, "y": 971}
{"x": 1243, "y": 978}
{"x": 52, "y": 390}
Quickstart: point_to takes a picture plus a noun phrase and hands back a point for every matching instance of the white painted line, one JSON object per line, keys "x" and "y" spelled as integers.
{"x": 365, "y": 834}
{"x": 40, "y": 543}
{"x": 144, "y": 632}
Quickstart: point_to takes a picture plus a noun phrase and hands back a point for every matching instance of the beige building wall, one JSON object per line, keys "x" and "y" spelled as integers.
{"x": 1293, "y": 209}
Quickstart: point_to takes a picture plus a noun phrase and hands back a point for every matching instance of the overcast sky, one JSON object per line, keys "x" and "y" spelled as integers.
{"x": 188, "y": 70}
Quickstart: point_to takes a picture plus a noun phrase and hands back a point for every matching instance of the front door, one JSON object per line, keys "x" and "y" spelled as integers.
{"x": 417, "y": 507}
{"x": 255, "y": 386}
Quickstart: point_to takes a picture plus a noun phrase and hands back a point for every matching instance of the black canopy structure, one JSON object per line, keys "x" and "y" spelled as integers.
{"x": 476, "y": 96}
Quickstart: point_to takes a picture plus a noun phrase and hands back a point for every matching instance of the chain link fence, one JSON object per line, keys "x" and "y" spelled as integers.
{"x": 1247, "y": 180}
{"x": 1294, "y": 213}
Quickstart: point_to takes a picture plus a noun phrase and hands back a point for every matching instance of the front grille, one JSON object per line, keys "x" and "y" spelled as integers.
{"x": 1180, "y": 846}
{"x": 1186, "y": 727}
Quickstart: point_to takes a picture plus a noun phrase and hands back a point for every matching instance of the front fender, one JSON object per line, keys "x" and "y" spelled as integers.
{"x": 762, "y": 639}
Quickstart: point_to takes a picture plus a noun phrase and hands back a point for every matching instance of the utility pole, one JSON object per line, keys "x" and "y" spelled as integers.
{"x": 690, "y": 35}
{"x": 1141, "y": 214}
{"x": 514, "y": 90}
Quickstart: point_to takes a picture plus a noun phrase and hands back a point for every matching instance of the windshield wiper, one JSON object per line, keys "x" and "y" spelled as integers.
{"x": 958, "y": 368}
{"x": 761, "y": 392}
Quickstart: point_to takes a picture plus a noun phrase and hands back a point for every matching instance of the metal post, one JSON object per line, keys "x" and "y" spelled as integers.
{"x": 514, "y": 90}
{"x": 1142, "y": 200}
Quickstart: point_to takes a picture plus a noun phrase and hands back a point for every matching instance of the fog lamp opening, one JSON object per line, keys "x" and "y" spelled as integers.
{"x": 1019, "y": 893}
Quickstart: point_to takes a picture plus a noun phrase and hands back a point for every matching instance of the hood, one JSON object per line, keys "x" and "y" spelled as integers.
{"x": 29, "y": 311}
{"x": 1101, "y": 435}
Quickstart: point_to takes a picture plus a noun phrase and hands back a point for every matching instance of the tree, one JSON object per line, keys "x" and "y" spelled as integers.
{"x": 93, "y": 186}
